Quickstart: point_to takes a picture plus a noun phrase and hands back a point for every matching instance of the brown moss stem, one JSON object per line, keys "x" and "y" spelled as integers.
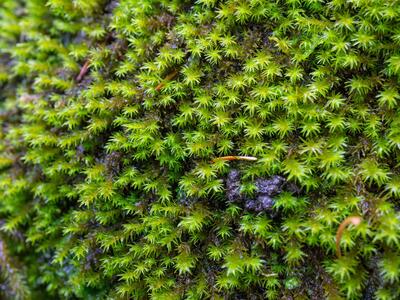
{"x": 83, "y": 72}
{"x": 167, "y": 78}
{"x": 234, "y": 157}
{"x": 355, "y": 220}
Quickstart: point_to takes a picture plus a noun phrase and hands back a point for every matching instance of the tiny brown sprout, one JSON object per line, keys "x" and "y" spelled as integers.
{"x": 233, "y": 157}
{"x": 84, "y": 70}
{"x": 355, "y": 220}
{"x": 167, "y": 78}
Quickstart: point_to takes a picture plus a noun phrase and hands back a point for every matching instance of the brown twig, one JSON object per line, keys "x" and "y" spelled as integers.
{"x": 167, "y": 78}
{"x": 234, "y": 157}
{"x": 355, "y": 220}
{"x": 84, "y": 70}
{"x": 269, "y": 274}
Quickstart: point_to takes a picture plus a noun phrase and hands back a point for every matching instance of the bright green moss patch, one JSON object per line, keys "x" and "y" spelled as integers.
{"x": 112, "y": 115}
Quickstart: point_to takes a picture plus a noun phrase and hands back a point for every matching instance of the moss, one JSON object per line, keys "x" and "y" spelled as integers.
{"x": 113, "y": 116}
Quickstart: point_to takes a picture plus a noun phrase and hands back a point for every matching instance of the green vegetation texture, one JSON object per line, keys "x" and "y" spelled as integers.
{"x": 108, "y": 188}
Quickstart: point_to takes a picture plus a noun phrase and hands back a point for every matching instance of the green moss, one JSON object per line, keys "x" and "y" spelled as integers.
{"x": 107, "y": 184}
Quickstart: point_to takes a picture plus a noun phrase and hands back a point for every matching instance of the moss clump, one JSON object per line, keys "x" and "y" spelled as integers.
{"x": 108, "y": 187}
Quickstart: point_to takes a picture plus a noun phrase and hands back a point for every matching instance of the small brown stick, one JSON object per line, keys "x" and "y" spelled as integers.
{"x": 167, "y": 78}
{"x": 84, "y": 70}
{"x": 233, "y": 157}
{"x": 269, "y": 275}
{"x": 355, "y": 220}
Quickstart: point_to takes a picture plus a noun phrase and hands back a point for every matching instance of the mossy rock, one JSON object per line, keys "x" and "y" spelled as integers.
{"x": 115, "y": 115}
